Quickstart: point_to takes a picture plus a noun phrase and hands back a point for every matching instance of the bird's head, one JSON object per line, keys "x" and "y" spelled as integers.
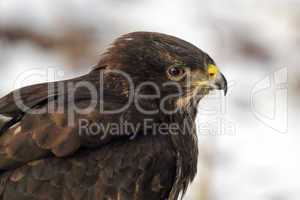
{"x": 174, "y": 65}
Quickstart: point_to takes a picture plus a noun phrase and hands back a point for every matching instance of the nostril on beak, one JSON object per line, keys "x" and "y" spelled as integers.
{"x": 212, "y": 71}
{"x": 211, "y": 74}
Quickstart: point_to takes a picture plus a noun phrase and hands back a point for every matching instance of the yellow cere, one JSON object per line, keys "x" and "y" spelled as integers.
{"x": 212, "y": 71}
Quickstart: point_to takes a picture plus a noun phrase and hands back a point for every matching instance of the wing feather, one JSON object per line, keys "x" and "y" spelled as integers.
{"x": 115, "y": 171}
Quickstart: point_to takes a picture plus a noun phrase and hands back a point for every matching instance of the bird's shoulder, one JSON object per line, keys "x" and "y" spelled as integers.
{"x": 62, "y": 131}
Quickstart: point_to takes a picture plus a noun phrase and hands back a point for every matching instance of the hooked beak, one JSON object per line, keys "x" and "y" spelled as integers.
{"x": 221, "y": 83}
{"x": 216, "y": 80}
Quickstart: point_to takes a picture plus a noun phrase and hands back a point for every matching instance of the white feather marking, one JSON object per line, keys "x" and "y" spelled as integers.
{"x": 4, "y": 118}
{"x": 128, "y": 39}
{"x": 17, "y": 130}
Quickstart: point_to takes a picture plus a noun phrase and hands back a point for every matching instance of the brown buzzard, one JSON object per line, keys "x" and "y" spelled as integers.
{"x": 124, "y": 131}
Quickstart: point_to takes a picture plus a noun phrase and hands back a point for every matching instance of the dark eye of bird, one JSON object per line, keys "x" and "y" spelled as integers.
{"x": 176, "y": 71}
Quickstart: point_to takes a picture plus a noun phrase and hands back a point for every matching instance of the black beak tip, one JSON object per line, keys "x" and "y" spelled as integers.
{"x": 225, "y": 87}
{"x": 222, "y": 84}
{"x": 225, "y": 92}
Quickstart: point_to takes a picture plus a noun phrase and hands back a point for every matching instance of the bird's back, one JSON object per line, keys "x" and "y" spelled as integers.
{"x": 143, "y": 168}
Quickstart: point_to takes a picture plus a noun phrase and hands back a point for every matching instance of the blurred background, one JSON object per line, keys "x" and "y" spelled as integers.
{"x": 249, "y": 141}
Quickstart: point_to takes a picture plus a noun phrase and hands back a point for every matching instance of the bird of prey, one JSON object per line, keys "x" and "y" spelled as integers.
{"x": 124, "y": 131}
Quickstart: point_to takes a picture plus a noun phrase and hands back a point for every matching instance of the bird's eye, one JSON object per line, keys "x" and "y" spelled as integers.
{"x": 176, "y": 72}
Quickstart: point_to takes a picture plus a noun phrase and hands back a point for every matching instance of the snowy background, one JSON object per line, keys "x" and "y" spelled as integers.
{"x": 249, "y": 141}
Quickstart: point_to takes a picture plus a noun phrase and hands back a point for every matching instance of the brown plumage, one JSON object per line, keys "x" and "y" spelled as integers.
{"x": 46, "y": 155}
